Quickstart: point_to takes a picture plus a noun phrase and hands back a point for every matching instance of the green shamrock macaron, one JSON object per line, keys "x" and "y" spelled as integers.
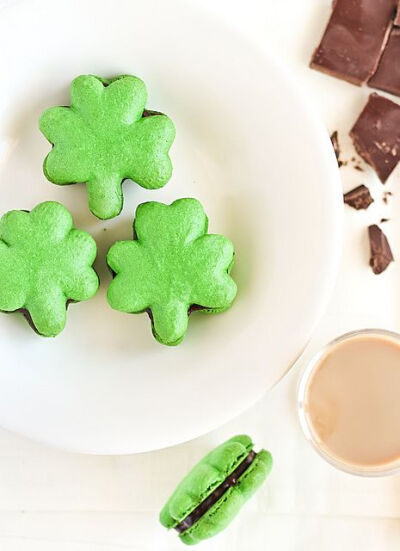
{"x": 44, "y": 264}
{"x": 214, "y": 491}
{"x": 171, "y": 268}
{"x": 105, "y": 137}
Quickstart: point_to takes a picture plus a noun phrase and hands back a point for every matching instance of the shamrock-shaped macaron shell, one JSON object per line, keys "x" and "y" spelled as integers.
{"x": 171, "y": 265}
{"x": 103, "y": 139}
{"x": 45, "y": 262}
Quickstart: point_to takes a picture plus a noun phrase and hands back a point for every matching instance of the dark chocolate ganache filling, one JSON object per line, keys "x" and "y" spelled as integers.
{"x": 212, "y": 499}
{"x": 150, "y": 113}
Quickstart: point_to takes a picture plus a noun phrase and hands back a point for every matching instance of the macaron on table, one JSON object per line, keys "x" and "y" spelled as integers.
{"x": 212, "y": 493}
{"x": 205, "y": 387}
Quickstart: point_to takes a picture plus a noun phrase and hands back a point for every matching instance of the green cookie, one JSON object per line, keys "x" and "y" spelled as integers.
{"x": 214, "y": 491}
{"x": 105, "y": 137}
{"x": 171, "y": 268}
{"x": 44, "y": 264}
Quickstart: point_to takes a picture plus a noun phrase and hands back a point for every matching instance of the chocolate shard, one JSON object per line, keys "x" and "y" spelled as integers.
{"x": 354, "y": 39}
{"x": 376, "y": 135}
{"x": 358, "y": 198}
{"x": 336, "y": 146}
{"x": 397, "y": 18}
{"x": 381, "y": 253}
{"x": 387, "y": 76}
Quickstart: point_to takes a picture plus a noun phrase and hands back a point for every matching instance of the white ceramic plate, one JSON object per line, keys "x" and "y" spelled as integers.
{"x": 247, "y": 147}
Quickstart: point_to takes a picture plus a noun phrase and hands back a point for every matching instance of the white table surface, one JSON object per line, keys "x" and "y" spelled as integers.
{"x": 51, "y": 500}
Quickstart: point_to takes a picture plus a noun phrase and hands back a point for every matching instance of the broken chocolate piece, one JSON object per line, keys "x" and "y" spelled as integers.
{"x": 336, "y": 147}
{"x": 387, "y": 76}
{"x": 212, "y": 499}
{"x": 381, "y": 253}
{"x": 354, "y": 39}
{"x": 358, "y": 198}
{"x": 397, "y": 18}
{"x": 376, "y": 135}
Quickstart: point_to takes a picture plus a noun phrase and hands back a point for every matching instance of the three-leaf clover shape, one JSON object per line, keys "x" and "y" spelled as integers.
{"x": 45, "y": 262}
{"x": 103, "y": 138}
{"x": 171, "y": 265}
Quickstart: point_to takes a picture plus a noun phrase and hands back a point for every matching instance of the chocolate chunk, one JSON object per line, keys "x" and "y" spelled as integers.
{"x": 376, "y": 135}
{"x": 387, "y": 76}
{"x": 381, "y": 253}
{"x": 354, "y": 39}
{"x": 336, "y": 146}
{"x": 383, "y": 220}
{"x": 397, "y": 18}
{"x": 212, "y": 499}
{"x": 358, "y": 198}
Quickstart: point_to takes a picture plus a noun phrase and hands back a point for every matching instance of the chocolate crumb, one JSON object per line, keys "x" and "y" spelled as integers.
{"x": 358, "y": 198}
{"x": 381, "y": 253}
{"x": 385, "y": 196}
{"x": 383, "y": 220}
{"x": 358, "y": 167}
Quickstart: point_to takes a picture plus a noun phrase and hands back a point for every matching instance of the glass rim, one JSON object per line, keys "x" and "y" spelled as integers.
{"x": 305, "y": 378}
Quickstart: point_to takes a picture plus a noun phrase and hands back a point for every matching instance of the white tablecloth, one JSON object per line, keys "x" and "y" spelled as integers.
{"x": 55, "y": 501}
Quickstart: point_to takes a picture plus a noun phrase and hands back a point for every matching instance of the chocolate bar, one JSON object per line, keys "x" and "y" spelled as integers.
{"x": 376, "y": 135}
{"x": 387, "y": 76}
{"x": 354, "y": 39}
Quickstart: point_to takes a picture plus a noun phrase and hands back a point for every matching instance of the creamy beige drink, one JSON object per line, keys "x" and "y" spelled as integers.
{"x": 352, "y": 402}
